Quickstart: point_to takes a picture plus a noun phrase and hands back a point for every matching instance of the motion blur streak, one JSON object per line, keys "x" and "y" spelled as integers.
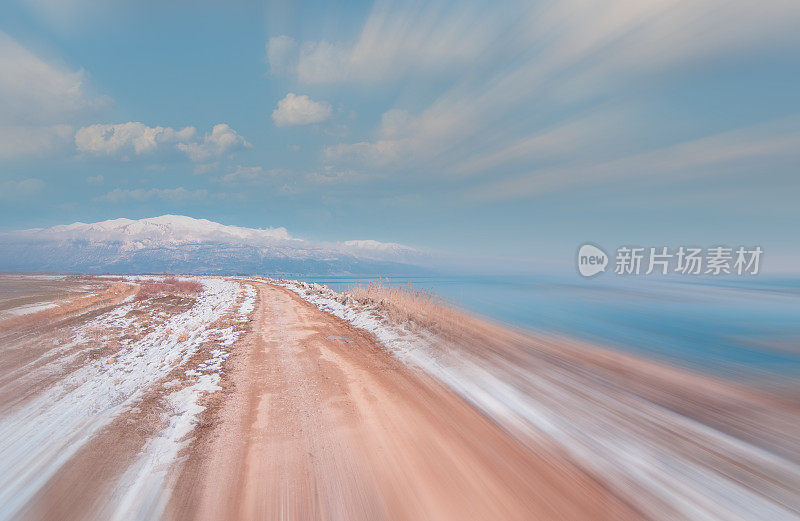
{"x": 674, "y": 444}
{"x": 242, "y": 398}
{"x": 76, "y": 378}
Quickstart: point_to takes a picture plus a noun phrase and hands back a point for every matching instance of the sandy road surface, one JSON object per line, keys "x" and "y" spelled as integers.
{"x": 316, "y": 421}
{"x": 250, "y": 399}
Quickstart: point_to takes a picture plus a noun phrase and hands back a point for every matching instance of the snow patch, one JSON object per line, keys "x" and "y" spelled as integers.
{"x": 144, "y": 486}
{"x": 30, "y": 309}
{"x": 40, "y": 436}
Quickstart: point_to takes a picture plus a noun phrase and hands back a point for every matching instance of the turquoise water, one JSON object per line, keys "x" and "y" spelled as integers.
{"x": 743, "y": 326}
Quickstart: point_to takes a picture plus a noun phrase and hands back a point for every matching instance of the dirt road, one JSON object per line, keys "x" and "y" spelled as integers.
{"x": 316, "y": 421}
{"x": 248, "y": 400}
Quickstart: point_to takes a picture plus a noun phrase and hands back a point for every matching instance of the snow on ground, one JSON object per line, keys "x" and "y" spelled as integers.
{"x": 29, "y": 309}
{"x": 249, "y": 303}
{"x": 89, "y": 336}
{"x": 37, "y": 438}
{"x": 142, "y": 488}
{"x": 665, "y": 463}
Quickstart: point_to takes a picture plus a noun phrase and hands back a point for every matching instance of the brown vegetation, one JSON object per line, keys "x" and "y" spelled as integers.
{"x": 168, "y": 286}
{"x": 111, "y": 295}
{"x": 407, "y": 304}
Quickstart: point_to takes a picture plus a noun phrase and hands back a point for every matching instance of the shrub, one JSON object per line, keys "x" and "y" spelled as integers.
{"x": 403, "y": 304}
{"x": 170, "y": 286}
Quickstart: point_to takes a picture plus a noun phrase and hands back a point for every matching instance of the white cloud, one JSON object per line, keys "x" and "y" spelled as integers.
{"x": 126, "y": 140}
{"x": 322, "y": 62}
{"x": 33, "y": 91}
{"x": 40, "y": 101}
{"x": 566, "y": 59}
{"x": 281, "y": 54}
{"x": 398, "y": 143}
{"x": 300, "y": 110}
{"x": 375, "y": 154}
{"x": 95, "y": 180}
{"x": 728, "y": 153}
{"x": 23, "y": 188}
{"x": 222, "y": 141}
{"x": 119, "y": 195}
{"x": 396, "y": 40}
{"x": 558, "y": 142}
{"x": 393, "y": 122}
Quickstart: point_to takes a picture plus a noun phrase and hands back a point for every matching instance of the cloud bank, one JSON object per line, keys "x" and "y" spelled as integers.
{"x": 40, "y": 101}
{"x": 131, "y": 139}
{"x": 395, "y": 41}
{"x": 546, "y": 83}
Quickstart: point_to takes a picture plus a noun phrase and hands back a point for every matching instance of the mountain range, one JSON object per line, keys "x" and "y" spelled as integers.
{"x": 180, "y": 244}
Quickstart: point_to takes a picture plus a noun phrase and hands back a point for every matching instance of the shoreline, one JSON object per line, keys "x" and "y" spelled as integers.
{"x": 593, "y": 401}
{"x": 704, "y": 326}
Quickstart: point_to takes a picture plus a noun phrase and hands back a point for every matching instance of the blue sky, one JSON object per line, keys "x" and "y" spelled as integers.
{"x": 518, "y": 132}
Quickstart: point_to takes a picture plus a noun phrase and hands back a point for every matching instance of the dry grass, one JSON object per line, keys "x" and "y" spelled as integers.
{"x": 169, "y": 286}
{"x": 407, "y": 304}
{"x": 113, "y": 294}
{"x": 94, "y": 278}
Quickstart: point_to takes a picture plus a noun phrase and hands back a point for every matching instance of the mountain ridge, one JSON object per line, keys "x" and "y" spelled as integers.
{"x": 190, "y": 245}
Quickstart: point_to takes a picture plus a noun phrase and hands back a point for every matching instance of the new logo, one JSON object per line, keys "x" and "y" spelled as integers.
{"x": 591, "y": 260}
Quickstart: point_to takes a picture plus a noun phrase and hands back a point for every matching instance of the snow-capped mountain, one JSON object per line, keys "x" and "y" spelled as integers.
{"x": 178, "y": 243}
{"x": 165, "y": 230}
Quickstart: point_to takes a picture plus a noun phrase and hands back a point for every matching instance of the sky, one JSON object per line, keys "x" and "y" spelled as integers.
{"x": 514, "y": 130}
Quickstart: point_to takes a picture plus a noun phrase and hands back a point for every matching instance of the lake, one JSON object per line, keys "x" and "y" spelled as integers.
{"x": 749, "y": 327}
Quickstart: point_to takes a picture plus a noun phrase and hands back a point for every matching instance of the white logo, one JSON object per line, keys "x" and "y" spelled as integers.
{"x": 685, "y": 260}
{"x": 591, "y": 260}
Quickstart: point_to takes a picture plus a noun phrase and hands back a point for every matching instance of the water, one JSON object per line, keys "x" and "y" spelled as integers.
{"x": 742, "y": 326}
